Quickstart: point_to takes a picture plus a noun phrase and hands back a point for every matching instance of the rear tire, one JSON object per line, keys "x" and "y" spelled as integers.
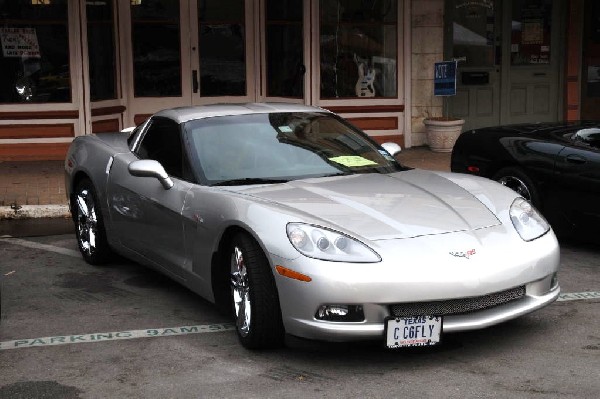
{"x": 517, "y": 180}
{"x": 89, "y": 225}
{"x": 254, "y": 295}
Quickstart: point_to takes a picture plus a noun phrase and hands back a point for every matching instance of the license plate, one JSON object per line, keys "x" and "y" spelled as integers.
{"x": 413, "y": 331}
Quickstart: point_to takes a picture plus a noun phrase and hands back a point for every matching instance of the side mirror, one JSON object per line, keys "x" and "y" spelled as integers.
{"x": 150, "y": 168}
{"x": 393, "y": 148}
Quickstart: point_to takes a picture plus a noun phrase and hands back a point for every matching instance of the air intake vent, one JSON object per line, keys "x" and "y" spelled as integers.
{"x": 457, "y": 306}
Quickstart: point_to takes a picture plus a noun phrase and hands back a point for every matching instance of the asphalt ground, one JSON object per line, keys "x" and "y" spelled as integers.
{"x": 71, "y": 330}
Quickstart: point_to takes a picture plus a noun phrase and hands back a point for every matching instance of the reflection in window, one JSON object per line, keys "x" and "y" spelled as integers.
{"x": 530, "y": 37}
{"x": 285, "y": 61}
{"x": 282, "y": 146}
{"x": 156, "y": 48}
{"x": 101, "y": 50}
{"x": 358, "y": 41}
{"x": 222, "y": 44}
{"x": 473, "y": 32}
{"x": 34, "y": 62}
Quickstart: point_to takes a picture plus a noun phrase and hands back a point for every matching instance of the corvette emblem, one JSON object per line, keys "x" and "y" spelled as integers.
{"x": 466, "y": 254}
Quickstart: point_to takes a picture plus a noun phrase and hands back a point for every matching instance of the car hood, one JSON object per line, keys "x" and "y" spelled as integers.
{"x": 378, "y": 207}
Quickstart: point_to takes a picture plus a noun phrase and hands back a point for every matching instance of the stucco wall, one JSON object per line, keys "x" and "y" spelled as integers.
{"x": 427, "y": 48}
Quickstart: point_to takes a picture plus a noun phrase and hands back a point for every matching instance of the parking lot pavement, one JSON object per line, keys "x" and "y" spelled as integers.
{"x": 71, "y": 330}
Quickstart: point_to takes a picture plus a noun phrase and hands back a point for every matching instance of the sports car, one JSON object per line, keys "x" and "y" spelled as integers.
{"x": 555, "y": 166}
{"x": 298, "y": 223}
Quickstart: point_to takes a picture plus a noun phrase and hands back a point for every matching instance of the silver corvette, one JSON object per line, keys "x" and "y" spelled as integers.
{"x": 298, "y": 223}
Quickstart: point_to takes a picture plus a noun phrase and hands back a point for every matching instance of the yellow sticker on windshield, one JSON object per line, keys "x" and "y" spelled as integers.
{"x": 352, "y": 161}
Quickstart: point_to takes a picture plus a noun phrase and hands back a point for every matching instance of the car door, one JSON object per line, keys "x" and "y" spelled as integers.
{"x": 578, "y": 176}
{"x": 147, "y": 216}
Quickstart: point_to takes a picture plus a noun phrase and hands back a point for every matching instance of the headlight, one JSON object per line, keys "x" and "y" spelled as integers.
{"x": 321, "y": 243}
{"x": 527, "y": 220}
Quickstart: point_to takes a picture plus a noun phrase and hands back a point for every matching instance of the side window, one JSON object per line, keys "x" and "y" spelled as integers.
{"x": 162, "y": 142}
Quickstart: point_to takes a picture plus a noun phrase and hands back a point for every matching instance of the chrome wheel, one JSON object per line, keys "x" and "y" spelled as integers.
{"x": 87, "y": 222}
{"x": 516, "y": 185}
{"x": 240, "y": 288}
{"x": 254, "y": 297}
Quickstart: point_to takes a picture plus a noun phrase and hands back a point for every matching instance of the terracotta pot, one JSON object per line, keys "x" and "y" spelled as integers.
{"x": 442, "y": 133}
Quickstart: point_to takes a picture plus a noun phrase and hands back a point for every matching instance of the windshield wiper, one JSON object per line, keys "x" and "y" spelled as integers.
{"x": 249, "y": 180}
{"x": 337, "y": 174}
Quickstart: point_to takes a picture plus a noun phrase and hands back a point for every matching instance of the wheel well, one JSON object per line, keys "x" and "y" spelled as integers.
{"x": 220, "y": 272}
{"x": 77, "y": 178}
{"x": 494, "y": 168}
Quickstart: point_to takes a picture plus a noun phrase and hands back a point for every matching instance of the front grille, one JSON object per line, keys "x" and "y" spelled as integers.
{"x": 457, "y": 306}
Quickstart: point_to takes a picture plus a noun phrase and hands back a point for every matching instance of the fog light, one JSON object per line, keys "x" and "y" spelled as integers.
{"x": 347, "y": 313}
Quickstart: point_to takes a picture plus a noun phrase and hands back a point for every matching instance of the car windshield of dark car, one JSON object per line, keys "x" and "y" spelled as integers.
{"x": 282, "y": 146}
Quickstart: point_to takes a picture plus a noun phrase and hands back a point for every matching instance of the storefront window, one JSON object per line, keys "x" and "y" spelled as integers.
{"x": 530, "y": 38}
{"x": 101, "y": 50}
{"x": 222, "y": 44}
{"x": 34, "y": 63}
{"x": 156, "y": 48}
{"x": 285, "y": 65}
{"x": 358, "y": 47}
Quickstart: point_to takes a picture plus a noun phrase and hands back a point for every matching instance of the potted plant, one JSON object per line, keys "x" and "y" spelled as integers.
{"x": 442, "y": 132}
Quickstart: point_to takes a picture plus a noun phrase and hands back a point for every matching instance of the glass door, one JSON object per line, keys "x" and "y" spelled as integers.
{"x": 473, "y": 36}
{"x": 531, "y": 68}
{"x": 244, "y": 51}
{"x": 192, "y": 52}
{"x": 222, "y": 51}
{"x": 509, "y": 68}
{"x": 159, "y": 59}
{"x": 590, "y": 81}
{"x": 283, "y": 50}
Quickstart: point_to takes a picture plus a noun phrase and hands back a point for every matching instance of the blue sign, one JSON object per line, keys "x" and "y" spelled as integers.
{"x": 444, "y": 79}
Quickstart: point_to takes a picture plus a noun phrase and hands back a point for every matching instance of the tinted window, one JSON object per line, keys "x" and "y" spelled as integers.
{"x": 155, "y": 36}
{"x": 162, "y": 142}
{"x": 101, "y": 50}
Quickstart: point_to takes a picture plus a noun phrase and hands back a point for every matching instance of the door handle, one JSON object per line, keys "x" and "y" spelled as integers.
{"x": 576, "y": 159}
{"x": 195, "y": 81}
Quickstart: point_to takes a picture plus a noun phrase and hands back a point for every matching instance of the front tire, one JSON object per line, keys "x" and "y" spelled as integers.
{"x": 517, "y": 180}
{"x": 89, "y": 225}
{"x": 254, "y": 295}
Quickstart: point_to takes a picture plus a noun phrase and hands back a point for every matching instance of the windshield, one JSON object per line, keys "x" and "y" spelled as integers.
{"x": 276, "y": 147}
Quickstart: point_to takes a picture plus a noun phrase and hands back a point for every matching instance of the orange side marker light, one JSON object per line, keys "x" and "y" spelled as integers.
{"x": 284, "y": 271}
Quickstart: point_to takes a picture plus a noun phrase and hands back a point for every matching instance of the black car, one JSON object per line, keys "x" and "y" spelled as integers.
{"x": 554, "y": 165}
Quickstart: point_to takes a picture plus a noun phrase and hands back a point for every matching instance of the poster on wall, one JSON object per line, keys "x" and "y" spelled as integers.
{"x": 19, "y": 42}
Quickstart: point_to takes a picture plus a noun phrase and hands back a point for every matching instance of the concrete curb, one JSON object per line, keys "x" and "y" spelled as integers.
{"x": 34, "y": 211}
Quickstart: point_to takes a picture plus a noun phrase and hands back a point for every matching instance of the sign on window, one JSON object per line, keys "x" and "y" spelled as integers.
{"x": 444, "y": 80}
{"x": 19, "y": 42}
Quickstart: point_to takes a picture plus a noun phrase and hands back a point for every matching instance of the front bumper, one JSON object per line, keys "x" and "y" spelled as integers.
{"x": 432, "y": 275}
{"x": 336, "y": 331}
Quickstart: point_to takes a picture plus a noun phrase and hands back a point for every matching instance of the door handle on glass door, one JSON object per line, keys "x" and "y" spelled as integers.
{"x": 195, "y": 81}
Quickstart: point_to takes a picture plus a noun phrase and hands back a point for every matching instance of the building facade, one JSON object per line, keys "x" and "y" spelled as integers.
{"x": 75, "y": 67}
